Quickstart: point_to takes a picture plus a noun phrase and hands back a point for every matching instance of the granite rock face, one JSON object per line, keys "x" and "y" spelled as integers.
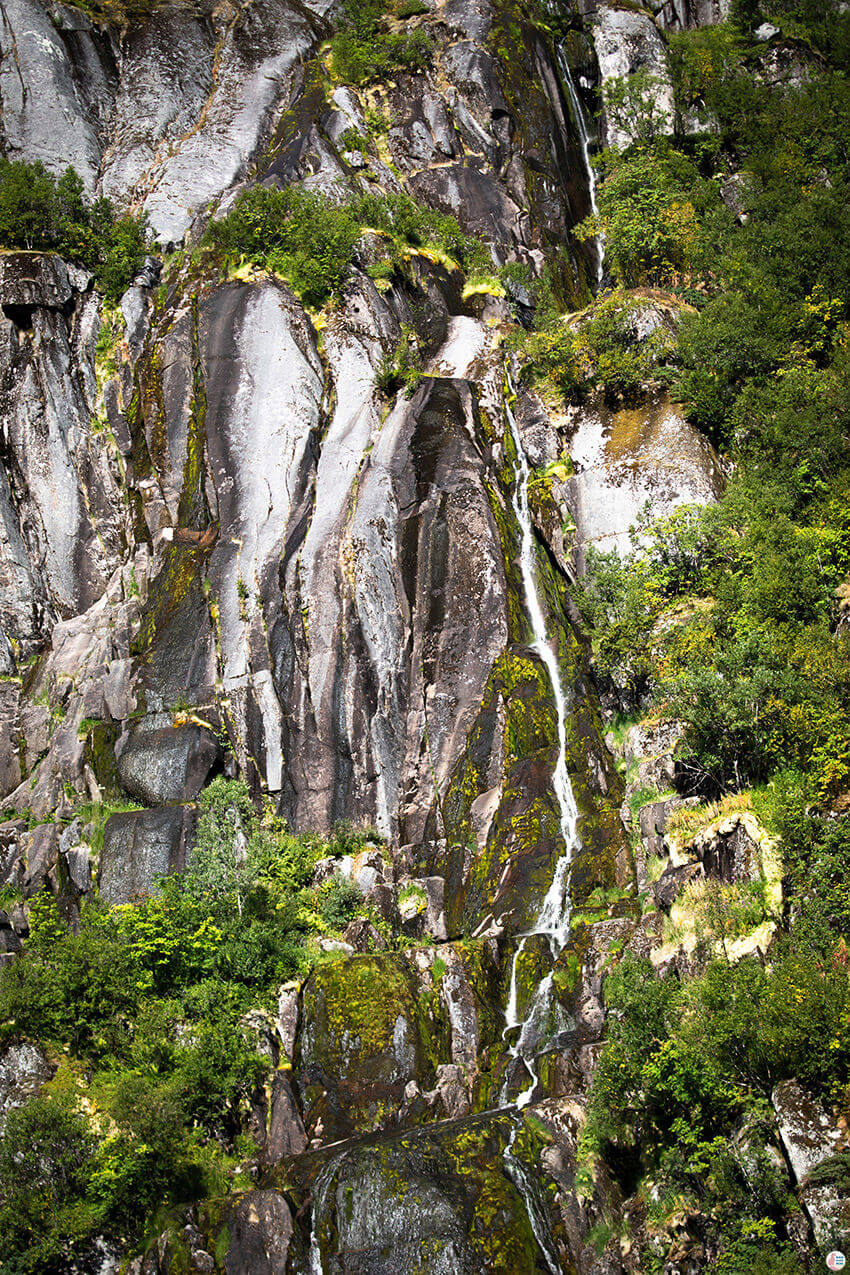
{"x": 229, "y": 550}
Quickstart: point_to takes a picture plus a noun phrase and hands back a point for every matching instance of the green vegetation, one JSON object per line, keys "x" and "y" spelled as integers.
{"x": 726, "y": 619}
{"x": 401, "y": 368}
{"x": 687, "y": 1063}
{"x": 310, "y": 241}
{"x": 597, "y": 350}
{"x": 144, "y": 1006}
{"x": 725, "y": 616}
{"x": 39, "y": 212}
{"x": 367, "y": 48}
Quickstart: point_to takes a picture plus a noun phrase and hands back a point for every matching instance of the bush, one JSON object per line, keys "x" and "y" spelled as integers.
{"x": 47, "y": 1158}
{"x": 39, "y": 212}
{"x": 599, "y": 349}
{"x": 649, "y": 215}
{"x": 363, "y": 50}
{"x": 148, "y": 1001}
{"x": 310, "y": 240}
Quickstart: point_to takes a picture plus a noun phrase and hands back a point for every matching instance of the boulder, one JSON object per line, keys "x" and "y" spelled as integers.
{"x": 10, "y": 941}
{"x": 167, "y": 764}
{"x": 23, "y": 1071}
{"x": 40, "y": 850}
{"x": 286, "y": 1134}
{"x": 627, "y": 41}
{"x": 625, "y": 459}
{"x": 652, "y": 820}
{"x": 730, "y": 849}
{"x": 31, "y": 279}
{"x": 260, "y": 1229}
{"x": 140, "y": 846}
{"x": 287, "y": 1018}
{"x": 810, "y": 1137}
{"x": 672, "y": 882}
{"x": 421, "y": 906}
{"x": 442, "y": 1199}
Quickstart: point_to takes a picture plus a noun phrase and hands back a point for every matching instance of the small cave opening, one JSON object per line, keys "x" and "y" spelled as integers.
{"x": 20, "y": 315}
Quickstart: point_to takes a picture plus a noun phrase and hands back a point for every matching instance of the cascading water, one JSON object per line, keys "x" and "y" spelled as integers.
{"x": 320, "y": 1192}
{"x": 521, "y": 1178}
{"x": 553, "y": 920}
{"x": 580, "y": 120}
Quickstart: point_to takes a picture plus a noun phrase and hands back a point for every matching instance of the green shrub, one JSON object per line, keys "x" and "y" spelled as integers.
{"x": 309, "y": 240}
{"x": 365, "y": 50}
{"x": 340, "y": 902}
{"x": 650, "y": 205}
{"x": 37, "y": 211}
{"x": 597, "y": 350}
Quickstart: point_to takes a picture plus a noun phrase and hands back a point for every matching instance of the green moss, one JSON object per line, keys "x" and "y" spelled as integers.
{"x": 357, "y": 1003}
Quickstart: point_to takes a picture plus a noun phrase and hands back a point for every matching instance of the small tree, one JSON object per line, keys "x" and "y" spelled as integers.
{"x": 221, "y": 864}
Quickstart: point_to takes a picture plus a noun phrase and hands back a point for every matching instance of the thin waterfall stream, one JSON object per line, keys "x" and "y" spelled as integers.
{"x": 553, "y": 920}
{"x": 580, "y": 120}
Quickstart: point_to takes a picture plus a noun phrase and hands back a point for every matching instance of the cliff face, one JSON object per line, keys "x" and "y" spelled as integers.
{"x": 217, "y": 530}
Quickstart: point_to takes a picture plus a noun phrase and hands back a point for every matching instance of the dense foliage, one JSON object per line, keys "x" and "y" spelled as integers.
{"x": 41, "y": 212}
{"x": 310, "y": 240}
{"x": 728, "y": 618}
{"x": 742, "y": 645}
{"x": 144, "y": 1006}
{"x": 367, "y": 48}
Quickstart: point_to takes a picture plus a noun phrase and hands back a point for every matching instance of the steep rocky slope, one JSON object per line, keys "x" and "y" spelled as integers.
{"x": 226, "y": 550}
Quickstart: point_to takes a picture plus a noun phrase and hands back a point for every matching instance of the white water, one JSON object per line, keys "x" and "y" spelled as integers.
{"x": 520, "y": 1177}
{"x": 320, "y": 1191}
{"x": 553, "y": 920}
{"x": 584, "y": 141}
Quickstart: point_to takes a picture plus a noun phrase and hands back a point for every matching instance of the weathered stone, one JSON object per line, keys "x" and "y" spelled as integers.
{"x": 653, "y": 819}
{"x": 140, "y": 846}
{"x": 422, "y": 909}
{"x": 626, "y": 41}
{"x": 10, "y": 764}
{"x": 40, "y": 850}
{"x": 730, "y": 849}
{"x": 29, "y": 280}
{"x": 287, "y": 1018}
{"x": 23, "y": 1071}
{"x": 810, "y": 1137}
{"x": 286, "y": 1134}
{"x": 10, "y": 941}
{"x": 260, "y": 1228}
{"x": 167, "y": 764}
{"x": 627, "y": 458}
{"x": 672, "y": 882}
{"x": 362, "y": 936}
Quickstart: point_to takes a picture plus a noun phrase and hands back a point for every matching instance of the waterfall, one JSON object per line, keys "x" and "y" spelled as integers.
{"x": 320, "y": 1193}
{"x": 521, "y": 1179}
{"x": 553, "y": 919}
{"x": 580, "y": 120}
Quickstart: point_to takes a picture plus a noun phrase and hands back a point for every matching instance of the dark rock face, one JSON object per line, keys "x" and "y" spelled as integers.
{"x": 140, "y": 846}
{"x": 260, "y": 1228}
{"x": 167, "y": 764}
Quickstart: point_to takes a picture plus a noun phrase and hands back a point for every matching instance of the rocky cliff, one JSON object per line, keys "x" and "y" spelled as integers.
{"x": 229, "y": 547}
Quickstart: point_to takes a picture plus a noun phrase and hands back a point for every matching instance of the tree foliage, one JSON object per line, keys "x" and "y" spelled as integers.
{"x": 39, "y": 212}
